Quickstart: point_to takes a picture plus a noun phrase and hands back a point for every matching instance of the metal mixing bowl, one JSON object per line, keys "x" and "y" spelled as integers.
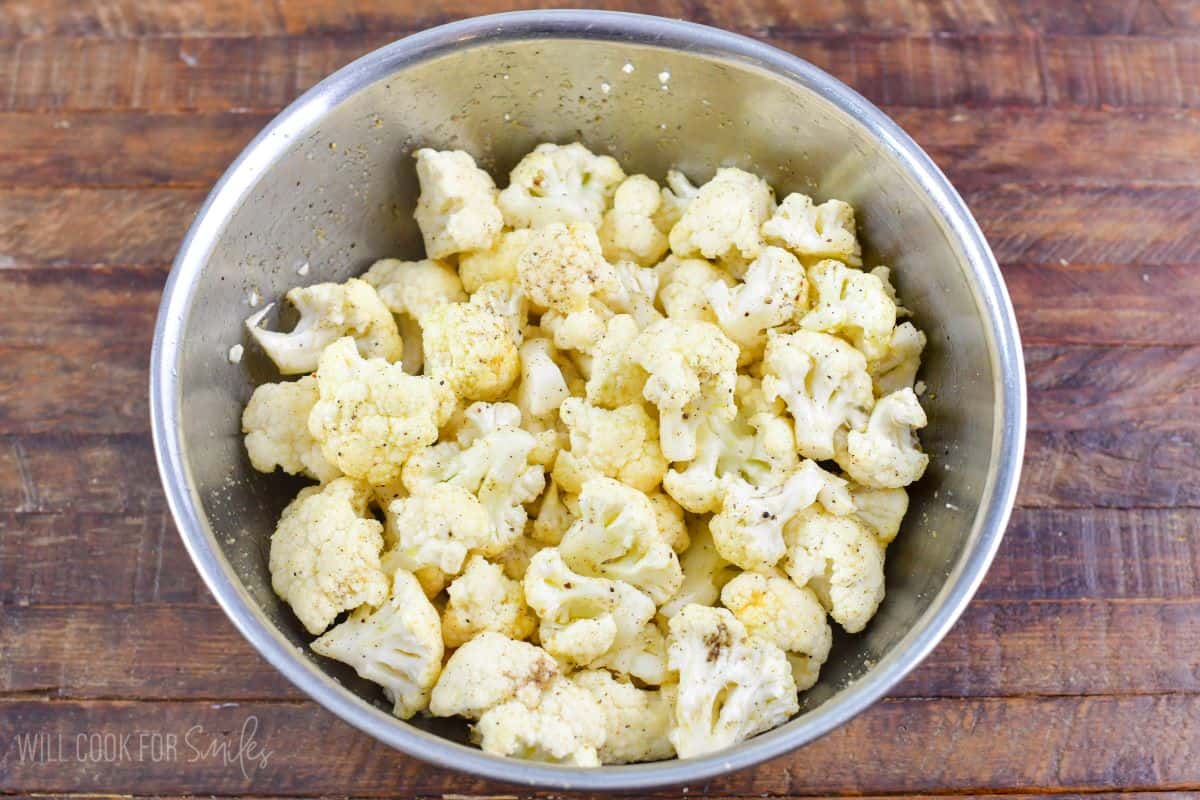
{"x": 330, "y": 183}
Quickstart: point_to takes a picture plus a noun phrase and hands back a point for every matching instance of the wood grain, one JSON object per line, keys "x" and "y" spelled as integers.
{"x": 79, "y": 473}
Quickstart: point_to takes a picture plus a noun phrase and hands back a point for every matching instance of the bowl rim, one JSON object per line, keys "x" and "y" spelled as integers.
{"x": 235, "y": 185}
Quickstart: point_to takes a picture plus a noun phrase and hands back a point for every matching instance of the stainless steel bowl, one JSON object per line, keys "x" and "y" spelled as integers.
{"x": 330, "y": 183}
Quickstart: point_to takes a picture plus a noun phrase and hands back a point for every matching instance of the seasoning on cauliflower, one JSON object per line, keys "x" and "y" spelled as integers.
{"x": 787, "y": 615}
{"x": 470, "y": 348}
{"x": 722, "y": 221}
{"x": 824, "y": 383}
{"x": 437, "y": 527}
{"x": 773, "y": 291}
{"x": 684, "y": 284}
{"x": 897, "y": 369}
{"x": 276, "y": 426}
{"x": 632, "y": 292}
{"x": 882, "y": 510}
{"x": 328, "y": 312}
{"x": 567, "y": 725}
{"x": 483, "y": 599}
{"x": 671, "y": 524}
{"x": 559, "y": 183}
{"x": 499, "y": 263}
{"x": 676, "y": 196}
{"x": 621, "y": 443}
{"x": 371, "y": 415}
{"x": 543, "y": 388}
{"x": 693, "y": 372}
{"x": 637, "y": 721}
{"x": 457, "y": 208}
{"x": 515, "y": 560}
{"x": 815, "y": 231}
{"x": 853, "y": 304}
{"x": 556, "y": 513}
{"x": 886, "y": 455}
{"x": 840, "y": 560}
{"x": 325, "y": 554}
{"x": 409, "y": 289}
{"x": 629, "y": 231}
{"x": 616, "y": 379}
{"x": 732, "y": 685}
{"x": 644, "y": 657}
{"x": 398, "y": 645}
{"x": 506, "y": 300}
{"x": 489, "y": 670}
{"x": 705, "y": 573}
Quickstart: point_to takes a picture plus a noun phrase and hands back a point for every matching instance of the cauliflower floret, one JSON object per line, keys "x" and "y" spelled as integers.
{"x": 721, "y": 222}
{"x": 748, "y": 531}
{"x": 616, "y": 379}
{"x": 633, "y": 292}
{"x": 457, "y": 208}
{"x": 515, "y": 560}
{"x": 705, "y": 573}
{"x": 840, "y": 560}
{"x": 563, "y": 271}
{"x": 508, "y": 302}
{"x": 617, "y": 537}
{"x": 489, "y": 670}
{"x": 693, "y": 371}
{"x": 497, "y": 264}
{"x": 621, "y": 443}
{"x": 787, "y": 615}
{"x": 276, "y": 426}
{"x": 731, "y": 685}
{"x": 371, "y": 415}
{"x": 684, "y": 284}
{"x": 483, "y": 599}
{"x": 644, "y": 657}
{"x": 824, "y": 383}
{"x": 897, "y": 369}
{"x": 629, "y": 232}
{"x": 853, "y": 304}
{"x": 886, "y": 455}
{"x": 559, "y": 183}
{"x": 885, "y": 277}
{"x": 815, "y": 231}
{"x": 772, "y": 292}
{"x": 582, "y": 618}
{"x": 556, "y": 513}
{"x": 437, "y": 527}
{"x": 328, "y": 312}
{"x": 676, "y": 196}
{"x": 398, "y": 645}
{"x": 543, "y": 386}
{"x": 470, "y": 348}
{"x": 637, "y": 721}
{"x": 414, "y": 287}
{"x": 325, "y": 554}
{"x": 566, "y": 726}
{"x": 882, "y": 510}
{"x": 671, "y": 524}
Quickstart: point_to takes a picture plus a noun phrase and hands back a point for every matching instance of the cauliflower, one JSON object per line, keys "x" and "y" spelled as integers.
{"x": 414, "y": 287}
{"x": 497, "y": 264}
{"x": 676, "y": 196}
{"x": 693, "y": 371}
{"x": 851, "y": 303}
{"x": 643, "y": 658}
{"x": 636, "y": 721}
{"x": 567, "y": 725}
{"x": 732, "y": 685}
{"x": 629, "y": 232}
{"x": 840, "y": 560}
{"x": 881, "y": 510}
{"x": 470, "y": 348}
{"x": 457, "y": 208}
{"x": 621, "y": 443}
{"x": 562, "y": 270}
{"x": 483, "y": 599}
{"x": 704, "y": 572}
{"x": 325, "y": 554}
{"x": 515, "y": 560}
{"x": 632, "y": 292}
{"x": 897, "y": 369}
{"x": 886, "y": 455}
{"x": 582, "y": 618}
{"x": 556, "y": 513}
{"x": 328, "y": 312}
{"x": 490, "y": 670}
{"x": 371, "y": 415}
{"x": 684, "y": 284}
{"x": 617, "y": 536}
{"x": 543, "y": 387}
{"x": 616, "y": 379}
{"x": 559, "y": 183}
{"x": 506, "y": 301}
{"x": 437, "y": 526}
{"x": 815, "y": 231}
{"x": 276, "y": 426}
{"x": 824, "y": 383}
{"x": 772, "y": 292}
{"x": 671, "y": 524}
{"x": 398, "y": 645}
{"x": 787, "y": 615}
{"x": 721, "y": 222}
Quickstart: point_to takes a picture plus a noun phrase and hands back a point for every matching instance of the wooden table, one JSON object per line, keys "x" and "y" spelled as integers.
{"x": 1071, "y": 128}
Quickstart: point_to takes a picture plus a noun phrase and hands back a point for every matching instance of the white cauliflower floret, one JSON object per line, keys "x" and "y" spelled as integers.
{"x": 693, "y": 371}
{"x": 616, "y": 379}
{"x": 722, "y": 221}
{"x": 515, "y": 560}
{"x": 885, "y": 277}
{"x": 582, "y": 618}
{"x": 684, "y": 284}
{"x": 325, "y": 554}
{"x": 815, "y": 231}
{"x": 470, "y": 348}
{"x": 637, "y": 721}
{"x": 882, "y": 510}
{"x": 853, "y": 304}
{"x": 705, "y": 573}
{"x": 897, "y": 369}
{"x": 489, "y": 670}
{"x": 671, "y": 524}
{"x": 731, "y": 685}
{"x": 617, "y": 537}
{"x": 748, "y": 531}
{"x": 840, "y": 560}
{"x": 457, "y": 208}
{"x": 621, "y": 443}
{"x": 414, "y": 287}
{"x": 676, "y": 196}
{"x": 886, "y": 455}
{"x": 496, "y": 264}
{"x": 543, "y": 387}
{"x": 559, "y": 183}
{"x": 436, "y": 527}
{"x": 508, "y": 302}
{"x": 773, "y": 291}
{"x": 556, "y": 513}
{"x": 633, "y": 292}
{"x": 824, "y": 383}
{"x": 398, "y": 645}
{"x": 372, "y": 415}
{"x": 644, "y": 657}
{"x": 563, "y": 271}
{"x": 328, "y": 312}
{"x": 276, "y": 426}
{"x": 789, "y": 616}
{"x": 483, "y": 599}
{"x": 566, "y": 726}
{"x": 629, "y": 232}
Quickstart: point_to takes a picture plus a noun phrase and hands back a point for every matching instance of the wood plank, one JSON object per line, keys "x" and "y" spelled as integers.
{"x": 67, "y": 473}
{"x": 922, "y": 745}
{"x": 517, "y": 794}
{"x": 1122, "y": 72}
